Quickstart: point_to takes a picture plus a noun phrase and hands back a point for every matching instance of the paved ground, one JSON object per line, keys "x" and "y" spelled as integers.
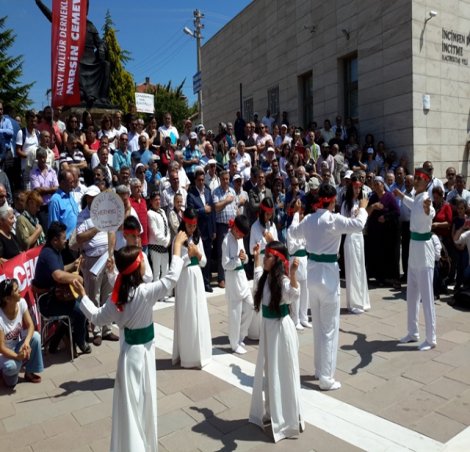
{"x": 393, "y": 397}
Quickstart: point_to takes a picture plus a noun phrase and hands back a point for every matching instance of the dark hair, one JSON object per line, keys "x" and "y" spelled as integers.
{"x": 326, "y": 191}
{"x": 123, "y": 258}
{"x": 131, "y": 222}
{"x": 266, "y": 202}
{"x": 191, "y": 214}
{"x": 349, "y": 197}
{"x": 6, "y": 288}
{"x": 276, "y": 276}
{"x": 63, "y": 175}
{"x": 54, "y": 231}
{"x": 243, "y": 224}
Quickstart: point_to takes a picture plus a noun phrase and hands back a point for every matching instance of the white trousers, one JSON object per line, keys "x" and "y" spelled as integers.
{"x": 299, "y": 308}
{"x": 420, "y": 288}
{"x": 240, "y": 313}
{"x": 159, "y": 264}
{"x": 324, "y": 298}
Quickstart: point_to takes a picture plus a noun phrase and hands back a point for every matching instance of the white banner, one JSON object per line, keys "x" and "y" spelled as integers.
{"x": 144, "y": 103}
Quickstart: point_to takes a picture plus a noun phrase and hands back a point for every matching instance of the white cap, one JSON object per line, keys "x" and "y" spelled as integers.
{"x": 348, "y": 174}
{"x": 236, "y": 177}
{"x": 270, "y": 149}
{"x": 193, "y": 136}
{"x": 92, "y": 190}
{"x": 212, "y": 162}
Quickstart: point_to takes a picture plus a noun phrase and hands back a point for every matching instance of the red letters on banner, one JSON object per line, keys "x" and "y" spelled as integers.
{"x": 68, "y": 41}
{"x": 22, "y": 268}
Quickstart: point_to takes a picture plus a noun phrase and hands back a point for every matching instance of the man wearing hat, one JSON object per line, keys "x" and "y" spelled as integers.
{"x": 421, "y": 261}
{"x": 191, "y": 156}
{"x": 94, "y": 243}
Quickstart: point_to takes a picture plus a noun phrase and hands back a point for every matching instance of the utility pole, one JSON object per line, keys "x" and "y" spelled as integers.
{"x": 196, "y": 33}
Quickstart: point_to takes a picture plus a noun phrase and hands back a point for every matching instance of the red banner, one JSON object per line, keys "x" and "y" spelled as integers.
{"x": 22, "y": 268}
{"x": 68, "y": 41}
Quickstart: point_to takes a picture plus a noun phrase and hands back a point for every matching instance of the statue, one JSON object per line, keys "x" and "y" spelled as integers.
{"x": 94, "y": 69}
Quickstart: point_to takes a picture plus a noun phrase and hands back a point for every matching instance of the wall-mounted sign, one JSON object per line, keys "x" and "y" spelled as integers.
{"x": 455, "y": 47}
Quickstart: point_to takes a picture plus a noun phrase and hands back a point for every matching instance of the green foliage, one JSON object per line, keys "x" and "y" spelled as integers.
{"x": 168, "y": 99}
{"x": 121, "y": 86}
{"x": 12, "y": 92}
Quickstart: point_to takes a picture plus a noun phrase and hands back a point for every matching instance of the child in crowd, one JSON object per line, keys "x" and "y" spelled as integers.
{"x": 192, "y": 341}
{"x": 237, "y": 291}
{"x": 131, "y": 307}
{"x": 277, "y": 372}
{"x": 19, "y": 343}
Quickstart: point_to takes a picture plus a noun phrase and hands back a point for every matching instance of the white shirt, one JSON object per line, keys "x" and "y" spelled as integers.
{"x": 168, "y": 197}
{"x": 244, "y": 165}
{"x": 257, "y": 234}
{"x": 454, "y": 193}
{"x": 98, "y": 244}
{"x": 156, "y": 228}
{"x": 421, "y": 252}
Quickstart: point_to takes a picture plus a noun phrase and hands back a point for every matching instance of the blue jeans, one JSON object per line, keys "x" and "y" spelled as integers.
{"x": 11, "y": 368}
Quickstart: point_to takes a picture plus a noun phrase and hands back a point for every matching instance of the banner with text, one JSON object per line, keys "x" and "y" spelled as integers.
{"x": 144, "y": 103}
{"x": 68, "y": 41}
{"x": 22, "y": 268}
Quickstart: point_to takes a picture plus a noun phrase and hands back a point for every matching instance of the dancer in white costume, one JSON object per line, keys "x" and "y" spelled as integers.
{"x": 263, "y": 231}
{"x": 237, "y": 291}
{"x": 420, "y": 261}
{"x": 357, "y": 291}
{"x": 277, "y": 373}
{"x": 192, "y": 341}
{"x": 322, "y": 230}
{"x": 299, "y": 307}
{"x": 131, "y": 308}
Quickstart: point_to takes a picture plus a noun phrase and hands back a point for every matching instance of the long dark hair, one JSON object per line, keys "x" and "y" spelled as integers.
{"x": 275, "y": 276}
{"x": 349, "y": 197}
{"x": 266, "y": 202}
{"x": 191, "y": 214}
{"x": 123, "y": 258}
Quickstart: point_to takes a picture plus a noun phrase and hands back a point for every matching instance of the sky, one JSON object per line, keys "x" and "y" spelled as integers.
{"x": 151, "y": 30}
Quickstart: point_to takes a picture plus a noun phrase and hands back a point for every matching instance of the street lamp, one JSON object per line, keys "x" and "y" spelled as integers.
{"x": 196, "y": 33}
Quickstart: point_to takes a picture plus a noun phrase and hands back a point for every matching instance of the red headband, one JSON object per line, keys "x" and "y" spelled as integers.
{"x": 266, "y": 208}
{"x": 127, "y": 271}
{"x": 232, "y": 225}
{"x": 131, "y": 231}
{"x": 280, "y": 256}
{"x": 321, "y": 201}
{"x": 357, "y": 183}
{"x": 422, "y": 175}
{"x": 190, "y": 220}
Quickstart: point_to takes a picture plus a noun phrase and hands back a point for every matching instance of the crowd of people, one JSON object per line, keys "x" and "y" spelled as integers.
{"x": 200, "y": 202}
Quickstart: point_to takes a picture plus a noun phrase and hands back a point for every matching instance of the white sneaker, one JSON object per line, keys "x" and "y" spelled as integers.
{"x": 356, "y": 311}
{"x": 240, "y": 350}
{"x": 241, "y": 343}
{"x": 299, "y": 327}
{"x": 409, "y": 338}
{"x": 306, "y": 324}
{"x": 330, "y": 386}
{"x": 425, "y": 346}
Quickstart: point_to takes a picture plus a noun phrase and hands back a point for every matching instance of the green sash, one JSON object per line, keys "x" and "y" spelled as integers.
{"x": 139, "y": 335}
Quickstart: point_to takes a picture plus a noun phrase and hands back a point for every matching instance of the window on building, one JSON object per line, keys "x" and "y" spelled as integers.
{"x": 306, "y": 98}
{"x": 273, "y": 101}
{"x": 351, "y": 87}
{"x": 248, "y": 109}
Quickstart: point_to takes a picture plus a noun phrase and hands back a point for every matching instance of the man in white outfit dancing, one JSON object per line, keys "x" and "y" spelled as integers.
{"x": 420, "y": 261}
{"x": 322, "y": 231}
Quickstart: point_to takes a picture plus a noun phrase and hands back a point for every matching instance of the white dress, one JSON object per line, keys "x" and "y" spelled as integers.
{"x": 357, "y": 291}
{"x": 277, "y": 374}
{"x": 192, "y": 340}
{"x": 135, "y": 391}
{"x": 257, "y": 236}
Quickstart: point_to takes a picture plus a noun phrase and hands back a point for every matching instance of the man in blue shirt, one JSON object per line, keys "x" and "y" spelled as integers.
{"x": 143, "y": 155}
{"x": 191, "y": 156}
{"x": 63, "y": 206}
{"x": 6, "y": 132}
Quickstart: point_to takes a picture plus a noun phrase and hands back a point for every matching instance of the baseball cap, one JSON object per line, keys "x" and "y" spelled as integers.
{"x": 92, "y": 190}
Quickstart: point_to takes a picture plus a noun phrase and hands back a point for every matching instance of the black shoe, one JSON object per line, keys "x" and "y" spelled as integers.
{"x": 84, "y": 348}
{"x": 209, "y": 289}
{"x": 111, "y": 337}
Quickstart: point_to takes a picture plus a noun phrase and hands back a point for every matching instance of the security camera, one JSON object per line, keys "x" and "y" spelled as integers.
{"x": 432, "y": 13}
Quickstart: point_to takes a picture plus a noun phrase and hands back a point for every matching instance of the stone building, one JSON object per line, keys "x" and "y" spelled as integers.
{"x": 400, "y": 70}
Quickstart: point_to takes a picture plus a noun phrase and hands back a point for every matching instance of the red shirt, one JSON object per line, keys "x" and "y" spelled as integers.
{"x": 140, "y": 208}
{"x": 444, "y": 214}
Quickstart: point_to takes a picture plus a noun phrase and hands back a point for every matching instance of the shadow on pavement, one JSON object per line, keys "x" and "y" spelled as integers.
{"x": 366, "y": 349}
{"x": 244, "y": 430}
{"x": 245, "y": 380}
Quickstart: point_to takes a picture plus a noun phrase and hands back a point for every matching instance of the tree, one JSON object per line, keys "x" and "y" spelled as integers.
{"x": 168, "y": 99}
{"x": 12, "y": 92}
{"x": 121, "y": 82}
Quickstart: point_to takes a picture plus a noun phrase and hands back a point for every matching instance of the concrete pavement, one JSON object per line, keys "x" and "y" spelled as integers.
{"x": 393, "y": 396}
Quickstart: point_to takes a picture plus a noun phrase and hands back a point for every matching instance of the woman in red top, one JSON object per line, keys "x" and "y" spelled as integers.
{"x": 441, "y": 226}
{"x": 166, "y": 155}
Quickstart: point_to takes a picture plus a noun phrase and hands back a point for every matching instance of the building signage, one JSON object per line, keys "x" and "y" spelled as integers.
{"x": 455, "y": 46}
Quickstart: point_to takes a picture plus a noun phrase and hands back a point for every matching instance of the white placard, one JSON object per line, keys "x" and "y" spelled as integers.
{"x": 144, "y": 103}
{"x": 107, "y": 211}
